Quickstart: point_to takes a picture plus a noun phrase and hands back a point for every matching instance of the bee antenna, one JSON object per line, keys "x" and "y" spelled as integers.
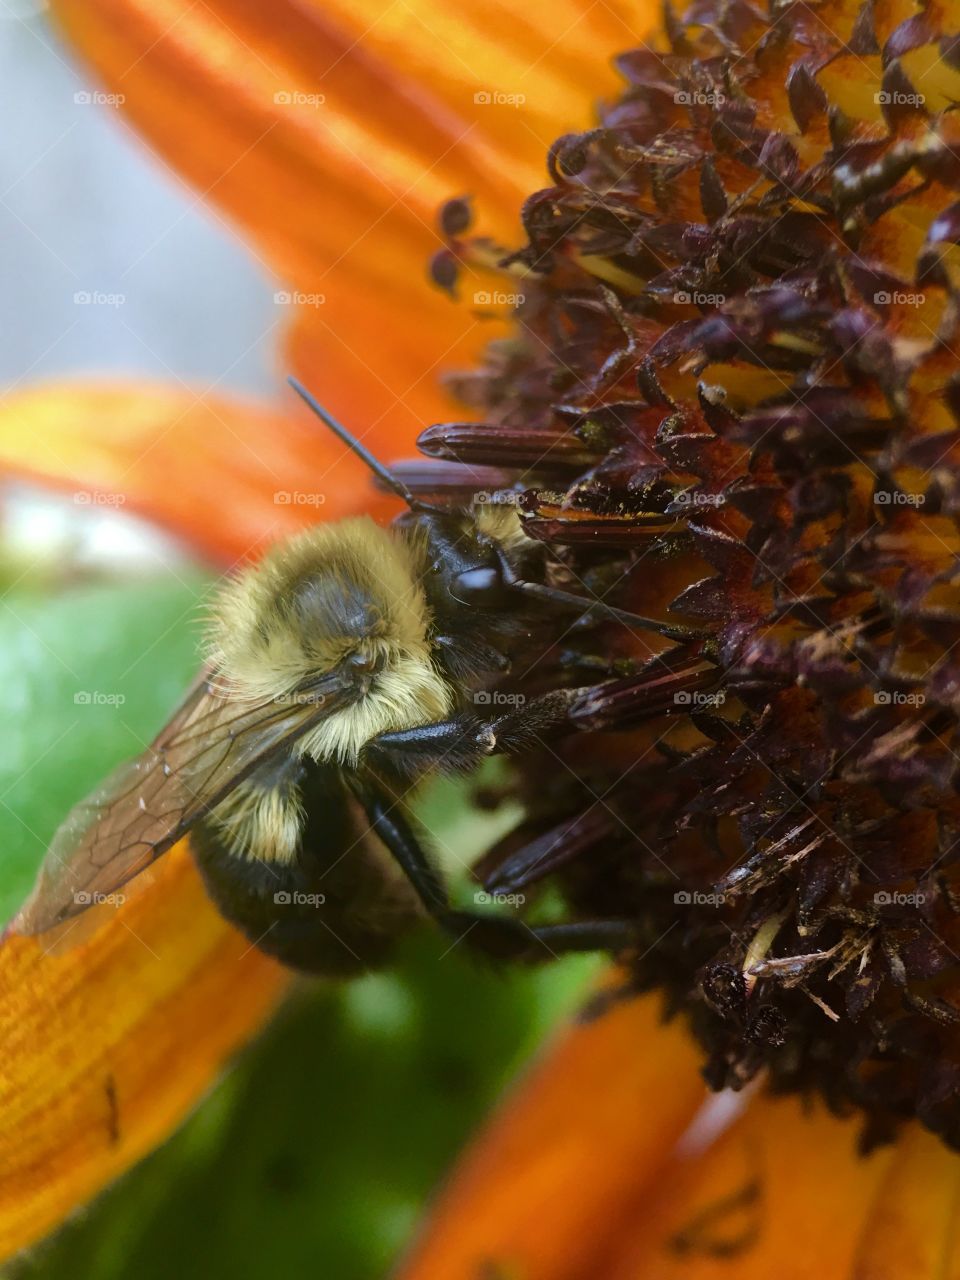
{"x": 353, "y": 444}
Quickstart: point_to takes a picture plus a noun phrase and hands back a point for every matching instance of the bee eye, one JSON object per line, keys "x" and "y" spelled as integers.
{"x": 483, "y": 587}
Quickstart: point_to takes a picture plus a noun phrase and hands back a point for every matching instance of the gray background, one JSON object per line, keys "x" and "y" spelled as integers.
{"x": 85, "y": 207}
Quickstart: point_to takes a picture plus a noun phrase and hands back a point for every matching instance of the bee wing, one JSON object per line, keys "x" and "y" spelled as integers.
{"x": 210, "y": 744}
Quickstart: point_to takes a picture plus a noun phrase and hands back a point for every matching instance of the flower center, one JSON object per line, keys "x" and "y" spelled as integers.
{"x": 732, "y": 401}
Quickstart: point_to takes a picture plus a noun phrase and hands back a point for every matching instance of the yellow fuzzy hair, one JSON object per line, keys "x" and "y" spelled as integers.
{"x": 501, "y": 524}
{"x": 363, "y": 593}
{"x": 261, "y": 822}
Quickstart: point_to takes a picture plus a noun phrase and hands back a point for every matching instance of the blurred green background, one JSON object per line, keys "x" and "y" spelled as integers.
{"x": 318, "y": 1152}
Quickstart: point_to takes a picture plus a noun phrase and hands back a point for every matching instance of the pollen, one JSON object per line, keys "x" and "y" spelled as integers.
{"x": 731, "y": 400}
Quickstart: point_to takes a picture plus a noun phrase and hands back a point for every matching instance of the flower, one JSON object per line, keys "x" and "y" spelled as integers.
{"x": 728, "y": 410}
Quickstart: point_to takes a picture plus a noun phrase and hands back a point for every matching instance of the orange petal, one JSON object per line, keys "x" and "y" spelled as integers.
{"x": 782, "y": 1193}
{"x": 224, "y": 476}
{"x": 563, "y": 1161}
{"x": 106, "y": 1046}
{"x": 340, "y": 195}
{"x": 593, "y": 1169}
{"x": 911, "y": 1230}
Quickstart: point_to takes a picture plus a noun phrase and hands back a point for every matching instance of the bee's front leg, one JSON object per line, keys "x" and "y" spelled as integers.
{"x": 520, "y": 728}
{"x": 451, "y": 745}
{"x": 461, "y": 743}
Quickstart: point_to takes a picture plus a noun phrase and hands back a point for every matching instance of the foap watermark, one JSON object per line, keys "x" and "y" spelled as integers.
{"x": 896, "y": 698}
{"x": 97, "y": 98}
{"x": 698, "y": 698}
{"x": 897, "y": 98}
{"x": 301, "y": 698}
{"x": 297, "y": 98}
{"x": 699, "y": 98}
{"x": 496, "y": 298}
{"x": 497, "y": 498}
{"x": 94, "y": 498}
{"x": 298, "y": 498}
{"x": 694, "y": 297}
{"x": 98, "y": 298}
{"x": 898, "y": 298}
{"x": 94, "y": 898}
{"x": 497, "y": 98}
{"x": 690, "y": 498}
{"x": 484, "y": 898}
{"x": 296, "y": 898}
{"x": 297, "y": 298}
{"x": 897, "y": 498}
{"x": 886, "y": 898}
{"x": 98, "y": 698}
{"x": 497, "y": 698}
{"x": 696, "y": 898}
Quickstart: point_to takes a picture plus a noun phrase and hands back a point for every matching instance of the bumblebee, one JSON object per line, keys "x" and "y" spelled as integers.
{"x": 341, "y": 670}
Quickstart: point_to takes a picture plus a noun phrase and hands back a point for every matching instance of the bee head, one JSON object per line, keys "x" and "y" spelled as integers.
{"x": 340, "y": 597}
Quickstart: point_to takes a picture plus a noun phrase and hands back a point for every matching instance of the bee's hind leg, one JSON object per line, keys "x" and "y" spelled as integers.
{"x": 499, "y": 936}
{"x": 510, "y": 938}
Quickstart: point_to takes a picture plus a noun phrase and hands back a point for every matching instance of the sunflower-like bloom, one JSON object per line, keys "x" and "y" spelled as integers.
{"x": 728, "y": 405}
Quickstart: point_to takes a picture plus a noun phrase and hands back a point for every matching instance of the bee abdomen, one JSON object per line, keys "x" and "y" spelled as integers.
{"x": 335, "y": 907}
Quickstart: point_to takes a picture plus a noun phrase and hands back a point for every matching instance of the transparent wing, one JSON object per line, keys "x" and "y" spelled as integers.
{"x": 209, "y": 746}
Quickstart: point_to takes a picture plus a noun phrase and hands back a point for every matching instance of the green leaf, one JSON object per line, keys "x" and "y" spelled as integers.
{"x": 87, "y": 677}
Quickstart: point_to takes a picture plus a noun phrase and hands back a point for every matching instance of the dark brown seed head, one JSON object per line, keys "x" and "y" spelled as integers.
{"x": 732, "y": 402}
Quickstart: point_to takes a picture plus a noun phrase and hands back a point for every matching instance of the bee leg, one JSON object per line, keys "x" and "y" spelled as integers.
{"x": 463, "y": 742}
{"x": 510, "y": 938}
{"x": 389, "y": 824}
{"x": 448, "y": 744}
{"x": 499, "y": 936}
{"x": 522, "y": 727}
